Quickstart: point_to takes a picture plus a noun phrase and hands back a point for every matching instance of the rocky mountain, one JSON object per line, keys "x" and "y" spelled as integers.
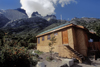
{"x": 16, "y": 21}
{"x": 16, "y": 14}
{"x": 36, "y": 14}
{"x": 84, "y": 19}
{"x": 21, "y": 10}
{"x": 3, "y": 20}
{"x": 48, "y": 17}
{"x": 26, "y": 25}
{"x": 13, "y": 14}
{"x": 37, "y": 24}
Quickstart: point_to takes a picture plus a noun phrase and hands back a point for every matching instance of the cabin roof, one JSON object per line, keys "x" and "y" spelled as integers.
{"x": 54, "y": 28}
{"x": 58, "y": 28}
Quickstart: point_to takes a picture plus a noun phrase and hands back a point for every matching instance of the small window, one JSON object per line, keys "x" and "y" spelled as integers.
{"x": 38, "y": 40}
{"x": 48, "y": 37}
{"x": 43, "y": 38}
{"x": 55, "y": 34}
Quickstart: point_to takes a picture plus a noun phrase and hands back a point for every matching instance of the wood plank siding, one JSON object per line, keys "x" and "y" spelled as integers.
{"x": 70, "y": 37}
{"x": 64, "y": 37}
{"x": 43, "y": 45}
{"x": 81, "y": 42}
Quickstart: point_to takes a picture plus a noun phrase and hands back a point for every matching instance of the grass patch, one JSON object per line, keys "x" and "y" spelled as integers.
{"x": 38, "y": 52}
{"x": 49, "y": 59}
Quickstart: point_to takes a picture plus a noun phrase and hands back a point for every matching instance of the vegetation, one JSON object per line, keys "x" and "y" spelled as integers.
{"x": 97, "y": 29}
{"x": 2, "y": 34}
{"x": 48, "y": 59}
{"x": 15, "y": 56}
{"x": 38, "y": 52}
{"x": 91, "y": 26}
{"x": 14, "y": 51}
{"x": 51, "y": 43}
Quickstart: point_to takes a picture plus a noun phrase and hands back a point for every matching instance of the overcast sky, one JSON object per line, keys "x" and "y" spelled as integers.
{"x": 67, "y": 8}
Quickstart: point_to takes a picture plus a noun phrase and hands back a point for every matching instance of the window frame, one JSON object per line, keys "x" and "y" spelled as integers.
{"x": 48, "y": 37}
{"x": 43, "y": 38}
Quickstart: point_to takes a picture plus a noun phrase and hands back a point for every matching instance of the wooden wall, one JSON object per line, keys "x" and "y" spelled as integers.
{"x": 94, "y": 45}
{"x": 81, "y": 41}
{"x": 43, "y": 45}
{"x": 64, "y": 52}
{"x": 75, "y": 39}
{"x": 70, "y": 37}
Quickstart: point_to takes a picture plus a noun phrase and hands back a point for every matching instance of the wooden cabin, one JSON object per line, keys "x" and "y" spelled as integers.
{"x": 71, "y": 41}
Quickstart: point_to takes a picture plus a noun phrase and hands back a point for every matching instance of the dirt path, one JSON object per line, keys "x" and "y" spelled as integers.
{"x": 58, "y": 63}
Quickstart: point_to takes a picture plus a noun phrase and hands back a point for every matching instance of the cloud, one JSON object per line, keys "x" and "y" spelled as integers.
{"x": 66, "y": 2}
{"x": 44, "y": 7}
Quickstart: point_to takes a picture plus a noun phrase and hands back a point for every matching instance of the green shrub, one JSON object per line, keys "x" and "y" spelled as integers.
{"x": 38, "y": 52}
{"x": 32, "y": 46}
{"x": 16, "y": 57}
{"x": 49, "y": 58}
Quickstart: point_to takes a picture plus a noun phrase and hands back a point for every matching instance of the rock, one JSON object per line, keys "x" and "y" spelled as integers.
{"x": 33, "y": 52}
{"x": 69, "y": 62}
{"x": 40, "y": 64}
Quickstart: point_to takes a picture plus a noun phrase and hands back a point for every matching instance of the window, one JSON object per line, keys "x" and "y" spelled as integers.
{"x": 48, "y": 37}
{"x": 43, "y": 38}
{"x": 55, "y": 34}
{"x": 38, "y": 40}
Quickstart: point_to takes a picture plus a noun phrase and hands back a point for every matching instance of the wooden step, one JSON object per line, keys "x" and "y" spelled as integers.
{"x": 75, "y": 52}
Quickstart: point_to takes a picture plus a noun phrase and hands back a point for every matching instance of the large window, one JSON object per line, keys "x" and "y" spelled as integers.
{"x": 38, "y": 40}
{"x": 43, "y": 38}
{"x": 48, "y": 37}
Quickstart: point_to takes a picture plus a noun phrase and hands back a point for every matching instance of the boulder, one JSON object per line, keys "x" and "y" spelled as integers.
{"x": 40, "y": 64}
{"x": 69, "y": 62}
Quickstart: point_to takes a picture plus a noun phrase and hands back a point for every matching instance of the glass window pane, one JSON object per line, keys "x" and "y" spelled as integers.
{"x": 43, "y": 38}
{"x": 48, "y": 37}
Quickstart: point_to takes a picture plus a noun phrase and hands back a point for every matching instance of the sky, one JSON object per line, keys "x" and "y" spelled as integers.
{"x": 68, "y": 9}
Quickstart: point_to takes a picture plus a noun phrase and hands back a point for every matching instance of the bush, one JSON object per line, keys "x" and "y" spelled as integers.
{"x": 32, "y": 46}
{"x": 38, "y": 52}
{"x": 49, "y": 58}
{"x": 16, "y": 57}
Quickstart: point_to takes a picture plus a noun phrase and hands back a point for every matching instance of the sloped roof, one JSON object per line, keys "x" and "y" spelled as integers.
{"x": 58, "y": 28}
{"x": 54, "y": 28}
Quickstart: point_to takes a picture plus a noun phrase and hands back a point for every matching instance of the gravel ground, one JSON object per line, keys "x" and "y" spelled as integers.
{"x": 58, "y": 63}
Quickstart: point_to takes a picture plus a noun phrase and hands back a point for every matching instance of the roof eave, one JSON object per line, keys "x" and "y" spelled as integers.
{"x": 56, "y": 30}
{"x": 70, "y": 25}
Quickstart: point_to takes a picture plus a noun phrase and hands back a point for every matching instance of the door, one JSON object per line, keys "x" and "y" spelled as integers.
{"x": 65, "y": 37}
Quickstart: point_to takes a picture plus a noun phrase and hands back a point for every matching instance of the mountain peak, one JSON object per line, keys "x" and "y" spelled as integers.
{"x": 21, "y": 10}
{"x": 36, "y": 14}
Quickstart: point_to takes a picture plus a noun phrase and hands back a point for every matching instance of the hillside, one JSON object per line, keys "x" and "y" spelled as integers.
{"x": 89, "y": 23}
{"x": 26, "y": 25}
{"x": 16, "y": 21}
{"x": 3, "y": 20}
{"x": 13, "y": 14}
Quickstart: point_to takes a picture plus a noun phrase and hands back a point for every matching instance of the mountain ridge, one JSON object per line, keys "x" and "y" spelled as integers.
{"x": 37, "y": 23}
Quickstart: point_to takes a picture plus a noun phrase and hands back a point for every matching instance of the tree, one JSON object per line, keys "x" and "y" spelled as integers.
{"x": 2, "y": 34}
{"x": 51, "y": 43}
{"x": 97, "y": 29}
{"x": 16, "y": 56}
